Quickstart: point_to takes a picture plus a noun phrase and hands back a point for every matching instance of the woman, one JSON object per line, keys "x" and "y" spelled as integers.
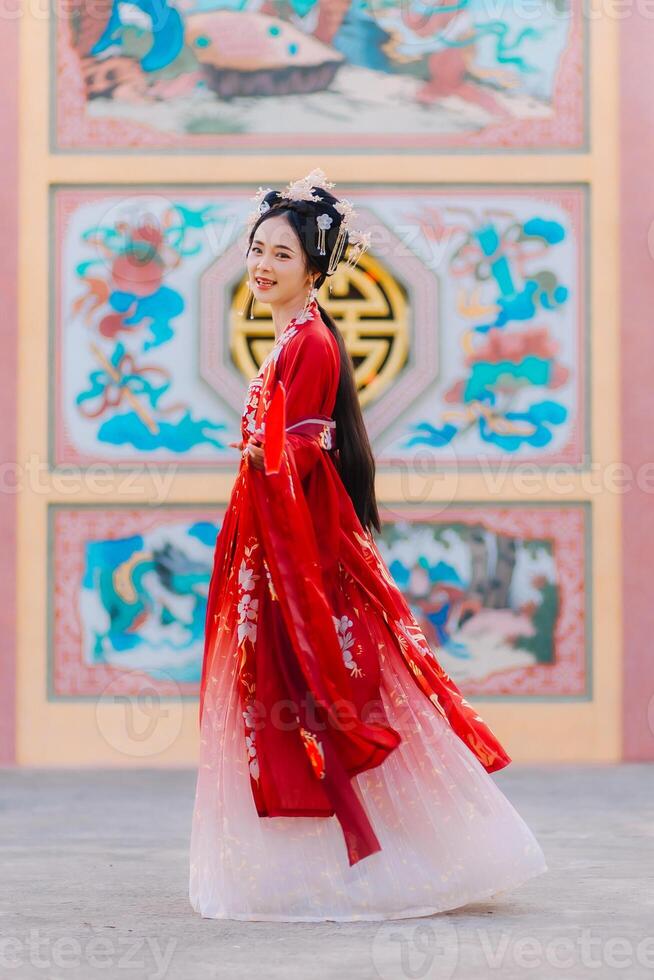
{"x": 342, "y": 775}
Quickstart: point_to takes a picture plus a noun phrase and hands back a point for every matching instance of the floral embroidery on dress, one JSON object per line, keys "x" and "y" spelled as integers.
{"x": 253, "y": 761}
{"x": 248, "y": 609}
{"x": 415, "y": 636}
{"x": 308, "y": 314}
{"x": 273, "y": 354}
{"x": 247, "y": 606}
{"x": 251, "y": 403}
{"x": 255, "y": 388}
{"x": 346, "y": 639}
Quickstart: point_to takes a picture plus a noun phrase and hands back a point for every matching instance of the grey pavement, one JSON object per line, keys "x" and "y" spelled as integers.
{"x": 94, "y": 884}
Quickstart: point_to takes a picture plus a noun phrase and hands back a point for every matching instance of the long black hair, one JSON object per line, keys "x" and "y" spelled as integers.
{"x": 355, "y": 461}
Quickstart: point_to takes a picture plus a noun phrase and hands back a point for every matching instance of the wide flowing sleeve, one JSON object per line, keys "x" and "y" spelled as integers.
{"x": 308, "y": 369}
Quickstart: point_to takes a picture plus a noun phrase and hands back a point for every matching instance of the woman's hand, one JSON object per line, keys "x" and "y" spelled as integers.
{"x": 254, "y": 450}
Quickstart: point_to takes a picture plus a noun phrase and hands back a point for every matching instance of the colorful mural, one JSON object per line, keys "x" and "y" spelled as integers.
{"x": 129, "y": 597}
{"x": 344, "y": 75}
{"x": 500, "y": 593}
{"x": 126, "y": 354}
{"x": 466, "y": 325}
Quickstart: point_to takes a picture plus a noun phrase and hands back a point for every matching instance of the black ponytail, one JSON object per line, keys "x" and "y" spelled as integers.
{"x": 356, "y": 463}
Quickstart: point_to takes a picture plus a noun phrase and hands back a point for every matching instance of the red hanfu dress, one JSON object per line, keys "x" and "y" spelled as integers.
{"x": 342, "y": 774}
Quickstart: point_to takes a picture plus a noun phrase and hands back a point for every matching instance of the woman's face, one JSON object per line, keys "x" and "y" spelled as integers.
{"x": 276, "y": 264}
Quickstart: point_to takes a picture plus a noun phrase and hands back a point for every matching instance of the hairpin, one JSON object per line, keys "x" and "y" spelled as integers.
{"x": 324, "y": 222}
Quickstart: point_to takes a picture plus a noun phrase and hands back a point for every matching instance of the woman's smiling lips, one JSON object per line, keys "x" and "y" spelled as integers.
{"x": 264, "y": 283}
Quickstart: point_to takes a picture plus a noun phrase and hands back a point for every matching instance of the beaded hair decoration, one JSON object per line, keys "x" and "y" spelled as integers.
{"x": 303, "y": 190}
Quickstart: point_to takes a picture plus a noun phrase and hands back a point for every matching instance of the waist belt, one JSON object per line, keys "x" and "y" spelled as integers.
{"x": 322, "y": 427}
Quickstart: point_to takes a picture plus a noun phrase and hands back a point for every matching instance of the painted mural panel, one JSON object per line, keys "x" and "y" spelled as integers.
{"x": 500, "y": 592}
{"x": 325, "y": 75}
{"x": 128, "y": 598}
{"x": 466, "y": 324}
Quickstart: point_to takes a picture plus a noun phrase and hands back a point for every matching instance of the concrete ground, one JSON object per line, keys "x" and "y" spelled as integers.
{"x": 94, "y": 884}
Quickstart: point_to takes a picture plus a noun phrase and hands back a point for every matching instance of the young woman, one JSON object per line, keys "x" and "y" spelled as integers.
{"x": 342, "y": 774}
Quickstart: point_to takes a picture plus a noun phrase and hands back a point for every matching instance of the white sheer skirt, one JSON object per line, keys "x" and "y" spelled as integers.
{"x": 448, "y": 834}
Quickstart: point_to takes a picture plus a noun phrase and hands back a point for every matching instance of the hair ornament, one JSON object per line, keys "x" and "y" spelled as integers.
{"x": 360, "y": 242}
{"x": 324, "y": 221}
{"x": 260, "y": 206}
{"x": 302, "y": 189}
{"x": 344, "y": 208}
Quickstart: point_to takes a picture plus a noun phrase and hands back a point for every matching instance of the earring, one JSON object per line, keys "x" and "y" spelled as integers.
{"x": 249, "y": 304}
{"x": 311, "y": 296}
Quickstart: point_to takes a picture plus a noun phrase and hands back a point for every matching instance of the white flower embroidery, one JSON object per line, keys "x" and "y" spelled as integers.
{"x": 253, "y": 394}
{"x": 246, "y": 577}
{"x": 247, "y": 607}
{"x": 251, "y": 404}
{"x": 253, "y": 761}
{"x": 308, "y": 314}
{"x": 346, "y": 640}
{"x": 247, "y": 626}
{"x": 248, "y": 714}
{"x": 412, "y": 632}
{"x": 276, "y": 349}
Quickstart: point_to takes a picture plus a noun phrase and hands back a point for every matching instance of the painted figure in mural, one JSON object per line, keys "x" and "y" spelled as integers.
{"x": 342, "y": 774}
{"x": 410, "y": 73}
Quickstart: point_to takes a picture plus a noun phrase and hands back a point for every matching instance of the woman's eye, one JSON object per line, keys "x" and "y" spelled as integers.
{"x": 280, "y": 255}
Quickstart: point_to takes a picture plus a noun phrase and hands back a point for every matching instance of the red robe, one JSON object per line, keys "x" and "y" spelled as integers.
{"x": 306, "y": 589}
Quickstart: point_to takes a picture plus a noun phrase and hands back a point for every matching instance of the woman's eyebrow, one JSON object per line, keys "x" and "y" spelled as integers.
{"x": 257, "y": 241}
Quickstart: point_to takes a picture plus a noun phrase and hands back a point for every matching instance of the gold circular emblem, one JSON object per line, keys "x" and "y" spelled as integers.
{"x": 368, "y": 305}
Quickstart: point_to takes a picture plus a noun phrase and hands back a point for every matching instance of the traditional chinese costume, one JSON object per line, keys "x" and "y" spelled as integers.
{"x": 342, "y": 774}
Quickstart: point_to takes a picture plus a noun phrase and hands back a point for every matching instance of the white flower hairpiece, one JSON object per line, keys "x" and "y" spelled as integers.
{"x": 324, "y": 222}
{"x": 260, "y": 206}
{"x": 345, "y": 208}
{"x": 302, "y": 189}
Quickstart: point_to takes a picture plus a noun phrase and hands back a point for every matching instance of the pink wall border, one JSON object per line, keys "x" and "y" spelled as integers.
{"x": 8, "y": 386}
{"x": 637, "y": 362}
